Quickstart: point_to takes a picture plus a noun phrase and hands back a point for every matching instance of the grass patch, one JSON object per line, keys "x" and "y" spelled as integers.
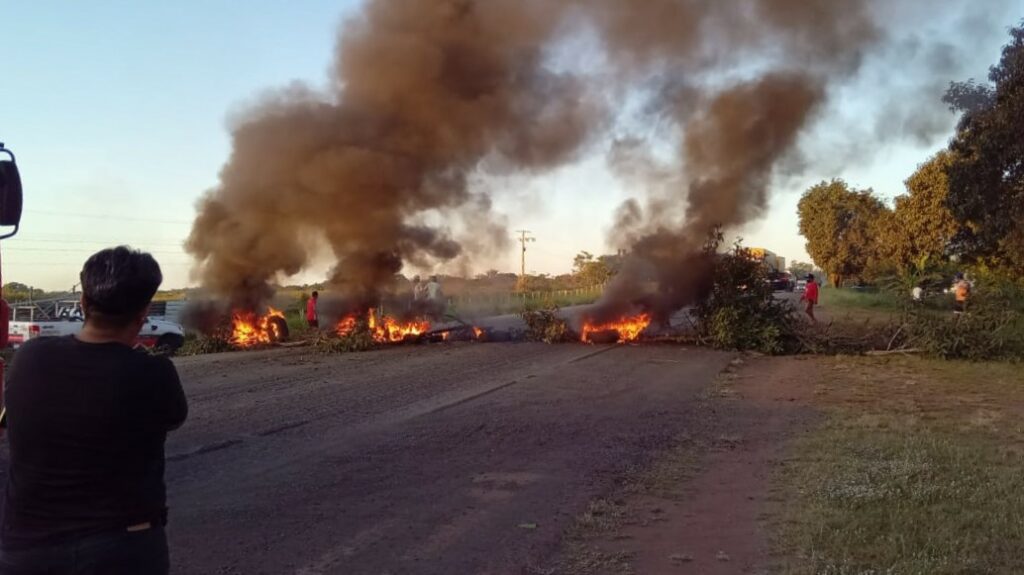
{"x": 918, "y": 469}
{"x": 848, "y": 305}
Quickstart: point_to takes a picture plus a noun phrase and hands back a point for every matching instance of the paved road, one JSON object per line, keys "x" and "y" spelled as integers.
{"x": 419, "y": 459}
{"x": 434, "y": 459}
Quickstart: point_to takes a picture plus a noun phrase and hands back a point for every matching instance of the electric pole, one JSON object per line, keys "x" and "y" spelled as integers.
{"x": 524, "y": 237}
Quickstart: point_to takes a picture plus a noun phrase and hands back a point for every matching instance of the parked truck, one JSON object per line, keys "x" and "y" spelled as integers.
{"x": 64, "y": 317}
{"x": 775, "y": 266}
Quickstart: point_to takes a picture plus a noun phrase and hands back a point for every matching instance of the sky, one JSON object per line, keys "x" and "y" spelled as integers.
{"x": 118, "y": 113}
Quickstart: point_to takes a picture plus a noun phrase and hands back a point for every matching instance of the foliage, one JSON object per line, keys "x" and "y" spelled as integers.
{"x": 202, "y": 345}
{"x": 15, "y": 292}
{"x": 800, "y": 269}
{"x": 991, "y": 328}
{"x": 742, "y": 311}
{"x": 545, "y": 325}
{"x": 986, "y": 175}
{"x": 589, "y": 271}
{"x": 918, "y": 232}
{"x": 840, "y": 225}
{"x": 356, "y": 340}
{"x": 930, "y": 278}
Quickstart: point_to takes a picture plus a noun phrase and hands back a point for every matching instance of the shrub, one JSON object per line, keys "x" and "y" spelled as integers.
{"x": 992, "y": 328}
{"x": 356, "y": 340}
{"x": 202, "y": 345}
{"x": 742, "y": 312}
{"x": 545, "y": 325}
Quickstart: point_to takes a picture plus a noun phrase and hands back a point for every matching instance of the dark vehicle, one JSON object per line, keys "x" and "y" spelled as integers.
{"x": 781, "y": 281}
{"x": 10, "y": 217}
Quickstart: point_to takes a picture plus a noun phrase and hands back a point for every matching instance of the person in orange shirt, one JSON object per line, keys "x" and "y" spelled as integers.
{"x": 312, "y": 318}
{"x": 962, "y": 293}
{"x": 811, "y": 297}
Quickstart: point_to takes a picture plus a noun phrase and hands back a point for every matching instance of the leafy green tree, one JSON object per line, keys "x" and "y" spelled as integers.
{"x": 986, "y": 174}
{"x": 15, "y": 291}
{"x": 841, "y": 225}
{"x": 800, "y": 269}
{"x": 918, "y": 233}
{"x": 590, "y": 271}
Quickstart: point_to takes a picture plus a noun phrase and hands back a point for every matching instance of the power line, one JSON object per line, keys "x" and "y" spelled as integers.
{"x": 106, "y": 217}
{"x": 19, "y": 240}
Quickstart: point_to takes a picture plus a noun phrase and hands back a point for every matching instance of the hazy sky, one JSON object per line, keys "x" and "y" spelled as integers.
{"x": 117, "y": 111}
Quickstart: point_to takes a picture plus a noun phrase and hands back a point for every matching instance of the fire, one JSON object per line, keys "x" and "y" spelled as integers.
{"x": 389, "y": 330}
{"x": 384, "y": 329}
{"x": 347, "y": 325}
{"x": 249, "y": 329}
{"x": 478, "y": 332}
{"x": 628, "y": 328}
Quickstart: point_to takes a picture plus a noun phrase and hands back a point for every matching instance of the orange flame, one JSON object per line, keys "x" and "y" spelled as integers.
{"x": 385, "y": 329}
{"x": 347, "y": 325}
{"x": 249, "y": 329}
{"x": 389, "y": 330}
{"x": 628, "y": 328}
{"x": 478, "y": 332}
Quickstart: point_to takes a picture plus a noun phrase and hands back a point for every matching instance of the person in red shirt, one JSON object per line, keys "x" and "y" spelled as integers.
{"x": 311, "y": 316}
{"x": 811, "y": 297}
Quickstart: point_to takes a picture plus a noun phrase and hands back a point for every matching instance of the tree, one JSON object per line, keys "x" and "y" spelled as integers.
{"x": 840, "y": 225}
{"x": 918, "y": 232}
{"x": 15, "y": 291}
{"x": 986, "y": 174}
{"x": 590, "y": 271}
{"x": 800, "y": 269}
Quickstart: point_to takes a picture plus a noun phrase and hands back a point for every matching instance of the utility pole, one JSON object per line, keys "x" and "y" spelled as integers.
{"x": 524, "y": 237}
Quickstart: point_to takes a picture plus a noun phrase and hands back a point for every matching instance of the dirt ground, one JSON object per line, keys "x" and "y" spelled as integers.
{"x": 701, "y": 508}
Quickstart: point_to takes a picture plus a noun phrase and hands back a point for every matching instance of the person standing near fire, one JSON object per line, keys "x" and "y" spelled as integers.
{"x": 435, "y": 297}
{"x": 811, "y": 297}
{"x": 961, "y": 294}
{"x": 312, "y": 317}
{"x": 87, "y": 420}
{"x": 419, "y": 289}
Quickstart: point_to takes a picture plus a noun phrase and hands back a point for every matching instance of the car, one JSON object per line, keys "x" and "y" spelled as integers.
{"x": 780, "y": 281}
{"x": 801, "y": 286}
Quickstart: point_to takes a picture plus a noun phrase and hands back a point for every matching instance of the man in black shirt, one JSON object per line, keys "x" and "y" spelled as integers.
{"x": 87, "y": 418}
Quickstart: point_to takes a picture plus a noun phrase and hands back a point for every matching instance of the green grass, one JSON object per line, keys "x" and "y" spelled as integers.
{"x": 918, "y": 468}
{"x": 847, "y": 299}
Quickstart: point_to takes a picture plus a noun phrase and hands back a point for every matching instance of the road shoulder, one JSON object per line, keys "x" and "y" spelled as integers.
{"x": 701, "y": 507}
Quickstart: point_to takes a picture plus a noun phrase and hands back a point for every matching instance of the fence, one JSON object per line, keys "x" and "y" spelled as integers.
{"x": 510, "y": 302}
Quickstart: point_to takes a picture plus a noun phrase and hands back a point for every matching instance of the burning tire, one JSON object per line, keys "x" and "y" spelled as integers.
{"x": 169, "y": 343}
{"x": 279, "y": 329}
{"x": 604, "y": 336}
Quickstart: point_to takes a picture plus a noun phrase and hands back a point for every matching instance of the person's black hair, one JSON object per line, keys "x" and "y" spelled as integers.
{"x": 810, "y": 277}
{"x": 117, "y": 284}
{"x": 316, "y": 294}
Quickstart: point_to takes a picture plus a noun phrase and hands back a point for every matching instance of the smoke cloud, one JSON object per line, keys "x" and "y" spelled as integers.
{"x": 426, "y": 94}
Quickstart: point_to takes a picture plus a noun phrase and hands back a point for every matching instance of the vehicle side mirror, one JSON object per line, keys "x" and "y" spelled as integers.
{"x": 10, "y": 192}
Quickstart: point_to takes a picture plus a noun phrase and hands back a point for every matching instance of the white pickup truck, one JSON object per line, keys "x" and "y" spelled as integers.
{"x": 158, "y": 334}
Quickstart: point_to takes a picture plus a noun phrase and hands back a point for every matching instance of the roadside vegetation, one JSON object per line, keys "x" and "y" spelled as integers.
{"x": 917, "y": 468}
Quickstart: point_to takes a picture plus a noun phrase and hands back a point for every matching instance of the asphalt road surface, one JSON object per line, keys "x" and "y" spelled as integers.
{"x": 460, "y": 458}
{"x": 445, "y": 458}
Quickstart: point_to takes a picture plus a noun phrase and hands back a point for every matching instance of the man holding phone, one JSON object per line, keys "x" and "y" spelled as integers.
{"x": 87, "y": 418}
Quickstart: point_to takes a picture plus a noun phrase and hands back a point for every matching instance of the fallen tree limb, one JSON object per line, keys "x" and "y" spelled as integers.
{"x": 909, "y": 351}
